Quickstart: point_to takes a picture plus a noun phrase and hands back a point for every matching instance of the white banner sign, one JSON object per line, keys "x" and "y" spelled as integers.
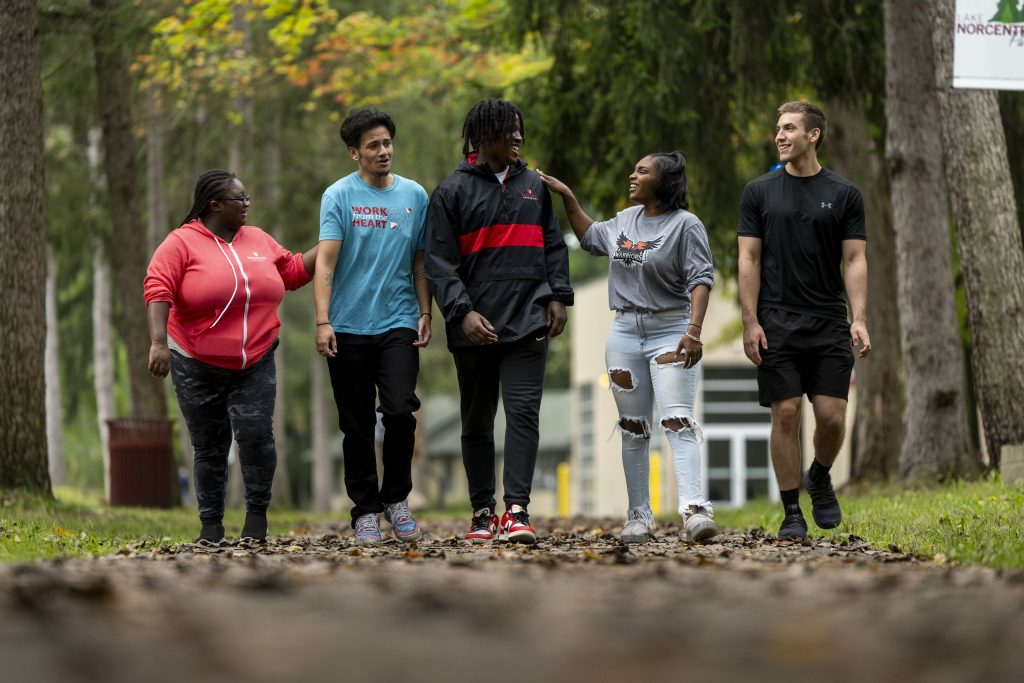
{"x": 988, "y": 44}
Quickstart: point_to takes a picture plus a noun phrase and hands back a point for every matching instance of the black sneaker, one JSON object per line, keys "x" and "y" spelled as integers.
{"x": 824, "y": 506}
{"x": 793, "y": 528}
{"x": 255, "y": 528}
{"x": 211, "y": 535}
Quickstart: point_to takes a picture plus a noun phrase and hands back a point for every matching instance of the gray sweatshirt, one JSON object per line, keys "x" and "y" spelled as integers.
{"x": 654, "y": 262}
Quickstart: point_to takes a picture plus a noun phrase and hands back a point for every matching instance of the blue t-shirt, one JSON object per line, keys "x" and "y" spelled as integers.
{"x": 381, "y": 230}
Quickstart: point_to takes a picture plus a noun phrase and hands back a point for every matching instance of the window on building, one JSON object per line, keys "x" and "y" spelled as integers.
{"x": 737, "y": 467}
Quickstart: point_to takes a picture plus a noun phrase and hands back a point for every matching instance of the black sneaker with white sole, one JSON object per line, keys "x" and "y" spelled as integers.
{"x": 211, "y": 535}
{"x": 255, "y": 528}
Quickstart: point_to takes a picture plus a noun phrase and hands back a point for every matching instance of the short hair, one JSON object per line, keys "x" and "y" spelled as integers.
{"x": 671, "y": 192}
{"x": 361, "y": 120}
{"x": 211, "y": 185}
{"x": 489, "y": 121}
{"x": 813, "y": 117}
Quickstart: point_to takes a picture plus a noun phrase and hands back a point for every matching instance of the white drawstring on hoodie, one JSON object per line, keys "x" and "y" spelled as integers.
{"x": 248, "y": 294}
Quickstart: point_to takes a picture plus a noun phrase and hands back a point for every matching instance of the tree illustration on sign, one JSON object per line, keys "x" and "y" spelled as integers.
{"x": 1008, "y": 13}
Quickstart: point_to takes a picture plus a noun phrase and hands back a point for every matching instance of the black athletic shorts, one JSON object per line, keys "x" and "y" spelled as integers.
{"x": 805, "y": 355}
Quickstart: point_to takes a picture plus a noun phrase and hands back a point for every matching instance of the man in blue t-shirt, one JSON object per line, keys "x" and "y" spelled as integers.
{"x": 372, "y": 317}
{"x": 801, "y": 244}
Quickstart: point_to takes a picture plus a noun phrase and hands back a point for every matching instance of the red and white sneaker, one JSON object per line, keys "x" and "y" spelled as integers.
{"x": 483, "y": 527}
{"x": 515, "y": 526}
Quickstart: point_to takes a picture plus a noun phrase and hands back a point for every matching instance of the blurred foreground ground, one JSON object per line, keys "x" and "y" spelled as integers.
{"x": 578, "y": 606}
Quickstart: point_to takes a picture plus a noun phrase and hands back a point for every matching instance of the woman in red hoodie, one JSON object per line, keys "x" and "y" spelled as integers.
{"x": 212, "y": 291}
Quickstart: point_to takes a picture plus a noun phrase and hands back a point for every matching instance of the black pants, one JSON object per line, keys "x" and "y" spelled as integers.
{"x": 518, "y": 367}
{"x": 366, "y": 365}
{"x": 216, "y": 402}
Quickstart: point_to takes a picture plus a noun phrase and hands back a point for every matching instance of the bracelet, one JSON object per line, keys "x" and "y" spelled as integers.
{"x": 427, "y": 314}
{"x": 323, "y": 323}
{"x": 691, "y": 337}
{"x": 695, "y": 325}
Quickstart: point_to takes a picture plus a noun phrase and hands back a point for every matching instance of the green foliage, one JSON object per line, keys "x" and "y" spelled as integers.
{"x": 632, "y": 77}
{"x": 965, "y": 523}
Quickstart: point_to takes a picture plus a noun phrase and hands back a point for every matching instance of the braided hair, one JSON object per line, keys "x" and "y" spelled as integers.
{"x": 210, "y": 186}
{"x": 671, "y": 190}
{"x": 489, "y": 121}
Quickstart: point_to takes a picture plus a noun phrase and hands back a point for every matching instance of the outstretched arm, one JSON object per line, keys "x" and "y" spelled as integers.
{"x": 578, "y": 218}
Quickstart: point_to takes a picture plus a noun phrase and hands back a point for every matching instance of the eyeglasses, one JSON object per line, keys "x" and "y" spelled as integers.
{"x": 245, "y": 199}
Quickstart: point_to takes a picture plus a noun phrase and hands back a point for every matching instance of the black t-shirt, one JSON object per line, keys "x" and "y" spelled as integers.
{"x": 802, "y": 223}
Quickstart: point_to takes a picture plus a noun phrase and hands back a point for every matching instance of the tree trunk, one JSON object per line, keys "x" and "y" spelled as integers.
{"x": 322, "y": 480}
{"x": 156, "y": 195}
{"x": 272, "y": 185}
{"x": 991, "y": 253}
{"x": 878, "y": 425}
{"x": 241, "y": 134}
{"x": 113, "y": 83}
{"x": 102, "y": 344}
{"x": 936, "y": 440}
{"x": 102, "y": 354}
{"x": 23, "y": 456}
{"x": 54, "y": 409}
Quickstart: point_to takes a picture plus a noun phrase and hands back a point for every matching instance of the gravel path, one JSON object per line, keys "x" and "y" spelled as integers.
{"x": 578, "y": 606}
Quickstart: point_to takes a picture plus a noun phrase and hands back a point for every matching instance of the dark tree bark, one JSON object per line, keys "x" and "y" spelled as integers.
{"x": 936, "y": 441}
{"x": 991, "y": 253}
{"x": 23, "y": 453}
{"x": 129, "y": 259}
{"x": 878, "y": 426}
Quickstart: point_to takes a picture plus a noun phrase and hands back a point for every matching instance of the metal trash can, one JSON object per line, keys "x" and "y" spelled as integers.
{"x": 142, "y": 470}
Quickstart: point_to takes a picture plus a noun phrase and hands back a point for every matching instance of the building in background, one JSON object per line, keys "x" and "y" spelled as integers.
{"x": 441, "y": 477}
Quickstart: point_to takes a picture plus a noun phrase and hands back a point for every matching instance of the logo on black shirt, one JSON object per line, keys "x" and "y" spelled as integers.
{"x": 630, "y": 252}
{"x": 530, "y": 194}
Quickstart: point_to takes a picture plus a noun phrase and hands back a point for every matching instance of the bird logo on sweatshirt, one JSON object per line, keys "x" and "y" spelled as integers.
{"x": 630, "y": 252}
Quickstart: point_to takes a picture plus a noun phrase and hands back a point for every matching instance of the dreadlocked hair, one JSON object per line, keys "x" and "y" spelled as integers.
{"x": 488, "y": 121}
{"x": 210, "y": 186}
{"x": 671, "y": 190}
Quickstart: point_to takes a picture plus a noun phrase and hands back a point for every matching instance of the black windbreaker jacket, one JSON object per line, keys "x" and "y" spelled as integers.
{"x": 497, "y": 249}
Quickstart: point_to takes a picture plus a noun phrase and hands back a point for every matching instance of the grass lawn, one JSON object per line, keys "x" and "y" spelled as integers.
{"x": 979, "y": 523}
{"x": 76, "y": 525}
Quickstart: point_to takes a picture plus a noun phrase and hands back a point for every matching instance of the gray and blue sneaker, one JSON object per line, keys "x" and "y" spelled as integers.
{"x": 403, "y": 526}
{"x": 368, "y": 530}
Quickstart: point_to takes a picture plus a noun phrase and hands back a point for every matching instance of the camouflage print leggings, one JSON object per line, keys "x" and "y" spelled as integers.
{"x": 217, "y": 402}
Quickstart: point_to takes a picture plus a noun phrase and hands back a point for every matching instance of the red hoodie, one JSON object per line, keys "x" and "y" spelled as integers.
{"x": 223, "y": 295}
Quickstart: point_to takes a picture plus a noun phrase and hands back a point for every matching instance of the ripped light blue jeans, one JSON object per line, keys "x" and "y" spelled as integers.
{"x": 638, "y": 383}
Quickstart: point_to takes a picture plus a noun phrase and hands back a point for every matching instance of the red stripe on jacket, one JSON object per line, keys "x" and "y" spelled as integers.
{"x": 501, "y": 235}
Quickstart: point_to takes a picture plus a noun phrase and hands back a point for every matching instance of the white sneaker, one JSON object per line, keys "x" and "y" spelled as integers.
{"x": 639, "y": 527}
{"x": 698, "y": 525}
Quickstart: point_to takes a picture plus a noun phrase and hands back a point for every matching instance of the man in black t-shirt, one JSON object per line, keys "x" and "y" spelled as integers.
{"x": 801, "y": 240}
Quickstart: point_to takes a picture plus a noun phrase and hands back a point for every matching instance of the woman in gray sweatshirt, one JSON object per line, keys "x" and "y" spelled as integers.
{"x": 660, "y": 275}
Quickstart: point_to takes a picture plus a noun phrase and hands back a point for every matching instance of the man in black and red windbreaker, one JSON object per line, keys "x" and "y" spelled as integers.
{"x": 499, "y": 270}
